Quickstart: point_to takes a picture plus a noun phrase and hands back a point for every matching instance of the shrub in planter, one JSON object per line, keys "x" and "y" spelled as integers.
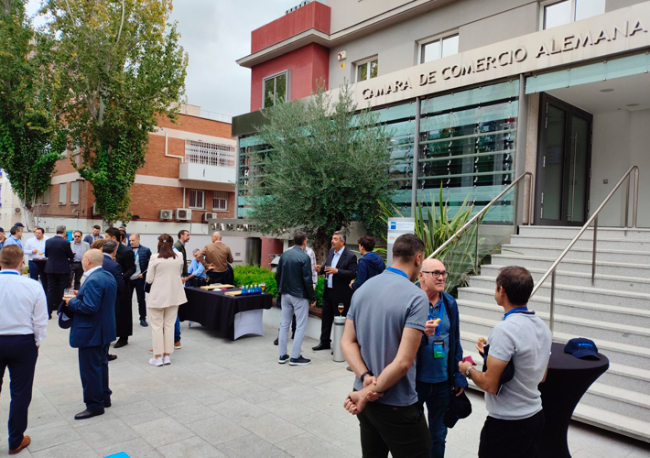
{"x": 253, "y": 275}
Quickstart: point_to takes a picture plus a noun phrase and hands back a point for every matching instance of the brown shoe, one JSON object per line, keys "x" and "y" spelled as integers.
{"x": 151, "y": 351}
{"x": 177, "y": 345}
{"x": 24, "y": 444}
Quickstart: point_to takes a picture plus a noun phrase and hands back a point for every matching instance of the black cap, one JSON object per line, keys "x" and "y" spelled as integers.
{"x": 582, "y": 348}
{"x": 459, "y": 407}
{"x": 19, "y": 224}
{"x": 1, "y": 229}
{"x": 65, "y": 320}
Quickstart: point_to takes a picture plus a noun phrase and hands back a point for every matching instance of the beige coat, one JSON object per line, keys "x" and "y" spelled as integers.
{"x": 166, "y": 286}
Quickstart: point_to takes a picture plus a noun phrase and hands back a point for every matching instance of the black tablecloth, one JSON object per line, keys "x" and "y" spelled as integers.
{"x": 567, "y": 380}
{"x": 216, "y": 311}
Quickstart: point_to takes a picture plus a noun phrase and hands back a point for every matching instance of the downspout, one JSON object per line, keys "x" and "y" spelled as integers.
{"x": 182, "y": 158}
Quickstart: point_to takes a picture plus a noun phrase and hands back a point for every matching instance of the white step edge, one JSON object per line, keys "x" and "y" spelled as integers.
{"x": 561, "y": 338}
{"x": 620, "y": 424}
{"x": 620, "y": 394}
{"x": 509, "y": 247}
{"x": 590, "y": 229}
{"x": 575, "y": 288}
{"x": 629, "y": 371}
{"x": 572, "y": 302}
{"x": 571, "y": 273}
{"x": 579, "y": 261}
{"x": 568, "y": 238}
{"x": 571, "y": 320}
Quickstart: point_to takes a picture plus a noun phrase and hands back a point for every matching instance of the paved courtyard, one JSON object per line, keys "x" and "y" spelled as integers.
{"x": 223, "y": 399}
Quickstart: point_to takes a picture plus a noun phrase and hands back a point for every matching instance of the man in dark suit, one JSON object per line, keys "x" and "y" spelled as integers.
{"x": 123, "y": 312}
{"x": 340, "y": 268}
{"x": 92, "y": 331}
{"x": 109, "y": 248}
{"x": 59, "y": 256}
{"x": 142, "y": 256}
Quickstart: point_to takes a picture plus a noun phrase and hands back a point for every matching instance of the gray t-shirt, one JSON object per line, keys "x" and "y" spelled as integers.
{"x": 381, "y": 310}
{"x": 527, "y": 340}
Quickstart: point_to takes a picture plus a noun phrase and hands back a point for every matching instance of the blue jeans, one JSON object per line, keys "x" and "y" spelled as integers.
{"x": 436, "y": 396}
{"x": 177, "y": 331}
{"x": 33, "y": 270}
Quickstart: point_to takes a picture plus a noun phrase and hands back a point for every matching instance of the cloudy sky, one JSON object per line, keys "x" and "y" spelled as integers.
{"x": 215, "y": 33}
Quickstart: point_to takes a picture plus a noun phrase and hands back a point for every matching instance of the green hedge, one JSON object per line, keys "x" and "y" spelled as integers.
{"x": 253, "y": 275}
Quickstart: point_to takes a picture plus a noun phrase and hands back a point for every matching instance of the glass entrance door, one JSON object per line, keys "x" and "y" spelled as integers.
{"x": 563, "y": 164}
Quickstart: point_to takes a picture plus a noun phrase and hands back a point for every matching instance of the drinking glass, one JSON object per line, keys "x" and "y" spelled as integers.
{"x": 341, "y": 308}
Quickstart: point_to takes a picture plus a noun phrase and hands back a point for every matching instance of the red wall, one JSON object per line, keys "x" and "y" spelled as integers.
{"x": 307, "y": 65}
{"x": 312, "y": 16}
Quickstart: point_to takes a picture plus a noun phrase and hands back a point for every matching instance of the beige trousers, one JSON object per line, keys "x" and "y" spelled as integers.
{"x": 162, "y": 329}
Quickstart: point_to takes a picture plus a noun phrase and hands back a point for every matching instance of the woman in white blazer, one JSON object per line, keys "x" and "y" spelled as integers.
{"x": 167, "y": 293}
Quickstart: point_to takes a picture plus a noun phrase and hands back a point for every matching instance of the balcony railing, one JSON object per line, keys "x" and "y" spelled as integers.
{"x": 209, "y": 154}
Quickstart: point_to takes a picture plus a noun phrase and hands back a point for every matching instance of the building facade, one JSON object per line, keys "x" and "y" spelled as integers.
{"x": 189, "y": 177}
{"x": 476, "y": 93}
{"x": 10, "y": 211}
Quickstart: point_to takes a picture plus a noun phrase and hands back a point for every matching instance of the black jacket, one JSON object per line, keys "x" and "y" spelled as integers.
{"x": 59, "y": 255}
{"x": 126, "y": 259}
{"x": 347, "y": 267}
{"x": 293, "y": 274}
{"x": 114, "y": 269}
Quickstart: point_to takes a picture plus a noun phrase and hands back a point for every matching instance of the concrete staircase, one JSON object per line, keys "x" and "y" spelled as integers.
{"x": 614, "y": 313}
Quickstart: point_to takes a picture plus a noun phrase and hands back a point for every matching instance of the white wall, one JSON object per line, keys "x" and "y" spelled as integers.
{"x": 640, "y": 155}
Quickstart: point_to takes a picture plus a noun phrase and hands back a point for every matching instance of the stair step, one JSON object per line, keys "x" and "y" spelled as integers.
{"x": 615, "y": 282}
{"x": 576, "y": 265}
{"x": 618, "y": 400}
{"x": 603, "y": 253}
{"x": 640, "y": 234}
{"x": 617, "y": 423}
{"x": 584, "y": 294}
{"x": 630, "y": 378}
{"x": 563, "y": 242}
{"x": 631, "y": 336}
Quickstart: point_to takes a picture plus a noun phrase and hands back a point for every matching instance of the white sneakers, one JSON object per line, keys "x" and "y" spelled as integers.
{"x": 164, "y": 360}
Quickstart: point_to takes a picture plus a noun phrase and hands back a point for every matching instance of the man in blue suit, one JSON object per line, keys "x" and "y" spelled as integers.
{"x": 59, "y": 256}
{"x": 92, "y": 331}
{"x": 110, "y": 265}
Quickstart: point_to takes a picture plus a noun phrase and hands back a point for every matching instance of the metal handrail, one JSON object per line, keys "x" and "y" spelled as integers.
{"x": 476, "y": 217}
{"x": 594, "y": 219}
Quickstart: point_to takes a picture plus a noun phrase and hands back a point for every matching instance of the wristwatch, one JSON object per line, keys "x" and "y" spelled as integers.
{"x": 467, "y": 371}
{"x": 364, "y": 375}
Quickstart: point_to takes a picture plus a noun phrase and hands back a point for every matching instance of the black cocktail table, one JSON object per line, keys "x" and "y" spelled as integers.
{"x": 567, "y": 380}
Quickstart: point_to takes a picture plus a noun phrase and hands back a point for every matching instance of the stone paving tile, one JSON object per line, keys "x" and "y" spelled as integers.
{"x": 224, "y": 399}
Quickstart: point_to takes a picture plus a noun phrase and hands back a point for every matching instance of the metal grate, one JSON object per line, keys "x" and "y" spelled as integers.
{"x": 209, "y": 154}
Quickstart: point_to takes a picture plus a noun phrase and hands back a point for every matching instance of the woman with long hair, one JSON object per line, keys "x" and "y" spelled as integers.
{"x": 167, "y": 293}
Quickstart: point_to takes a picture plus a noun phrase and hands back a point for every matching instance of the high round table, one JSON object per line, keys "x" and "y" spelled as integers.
{"x": 567, "y": 380}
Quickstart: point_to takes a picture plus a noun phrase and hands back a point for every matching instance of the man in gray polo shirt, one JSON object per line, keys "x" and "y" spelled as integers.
{"x": 515, "y": 417}
{"x": 382, "y": 335}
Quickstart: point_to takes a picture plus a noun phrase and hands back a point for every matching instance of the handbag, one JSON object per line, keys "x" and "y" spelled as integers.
{"x": 147, "y": 287}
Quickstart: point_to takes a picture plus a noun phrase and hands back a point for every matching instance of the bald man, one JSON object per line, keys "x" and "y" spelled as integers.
{"x": 215, "y": 259}
{"x": 92, "y": 331}
{"x": 437, "y": 363}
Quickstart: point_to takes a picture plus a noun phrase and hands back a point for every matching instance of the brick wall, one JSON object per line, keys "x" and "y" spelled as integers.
{"x": 197, "y": 125}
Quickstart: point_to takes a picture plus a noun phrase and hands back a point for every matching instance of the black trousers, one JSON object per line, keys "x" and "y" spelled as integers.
{"x": 402, "y": 431}
{"x": 76, "y": 273}
{"x": 138, "y": 286}
{"x": 512, "y": 438}
{"x": 93, "y": 368}
{"x": 218, "y": 277}
{"x": 56, "y": 285}
{"x": 19, "y": 354}
{"x": 330, "y": 310}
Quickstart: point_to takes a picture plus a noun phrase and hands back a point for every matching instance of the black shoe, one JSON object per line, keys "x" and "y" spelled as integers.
{"x": 293, "y": 335}
{"x": 121, "y": 343}
{"x": 107, "y": 404}
{"x": 143, "y": 323}
{"x": 88, "y": 414}
{"x": 275, "y": 342}
{"x": 283, "y": 359}
{"x": 321, "y": 346}
{"x": 299, "y": 361}
{"x": 112, "y": 357}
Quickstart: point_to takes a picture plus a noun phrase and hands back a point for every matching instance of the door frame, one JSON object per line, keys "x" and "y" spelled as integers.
{"x": 571, "y": 110}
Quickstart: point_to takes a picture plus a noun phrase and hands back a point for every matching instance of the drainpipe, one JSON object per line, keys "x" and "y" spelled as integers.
{"x": 520, "y": 154}
{"x": 182, "y": 158}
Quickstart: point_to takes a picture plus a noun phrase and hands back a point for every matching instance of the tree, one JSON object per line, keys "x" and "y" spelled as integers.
{"x": 119, "y": 67}
{"x": 326, "y": 168}
{"x": 30, "y": 144}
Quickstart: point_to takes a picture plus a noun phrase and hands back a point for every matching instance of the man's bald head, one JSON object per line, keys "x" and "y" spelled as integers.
{"x": 92, "y": 258}
{"x": 432, "y": 265}
{"x": 216, "y": 236}
{"x": 432, "y": 278}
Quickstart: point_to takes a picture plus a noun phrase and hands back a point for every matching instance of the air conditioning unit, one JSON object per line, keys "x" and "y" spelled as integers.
{"x": 166, "y": 215}
{"x": 183, "y": 214}
{"x": 208, "y": 216}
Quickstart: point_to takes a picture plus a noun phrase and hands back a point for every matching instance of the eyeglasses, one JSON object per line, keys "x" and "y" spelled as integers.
{"x": 436, "y": 274}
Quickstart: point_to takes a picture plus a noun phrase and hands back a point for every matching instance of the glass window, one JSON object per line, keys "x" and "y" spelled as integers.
{"x": 74, "y": 192}
{"x": 197, "y": 198}
{"x": 220, "y": 201}
{"x": 63, "y": 196}
{"x": 589, "y": 8}
{"x": 443, "y": 47}
{"x": 46, "y": 198}
{"x": 275, "y": 90}
{"x": 557, "y": 14}
{"x": 367, "y": 70}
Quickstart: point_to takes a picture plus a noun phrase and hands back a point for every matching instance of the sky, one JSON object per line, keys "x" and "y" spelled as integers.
{"x": 215, "y": 33}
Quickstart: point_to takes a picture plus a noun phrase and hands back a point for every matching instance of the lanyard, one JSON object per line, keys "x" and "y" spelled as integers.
{"x": 518, "y": 310}
{"x": 9, "y": 273}
{"x": 397, "y": 271}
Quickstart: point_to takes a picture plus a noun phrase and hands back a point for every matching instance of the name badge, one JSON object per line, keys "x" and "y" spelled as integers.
{"x": 439, "y": 349}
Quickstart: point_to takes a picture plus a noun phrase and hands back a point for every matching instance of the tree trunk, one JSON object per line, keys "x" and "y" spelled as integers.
{"x": 27, "y": 218}
{"x": 321, "y": 246}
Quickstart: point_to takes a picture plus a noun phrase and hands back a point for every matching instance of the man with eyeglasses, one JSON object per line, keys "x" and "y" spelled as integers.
{"x": 79, "y": 248}
{"x": 438, "y": 357}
